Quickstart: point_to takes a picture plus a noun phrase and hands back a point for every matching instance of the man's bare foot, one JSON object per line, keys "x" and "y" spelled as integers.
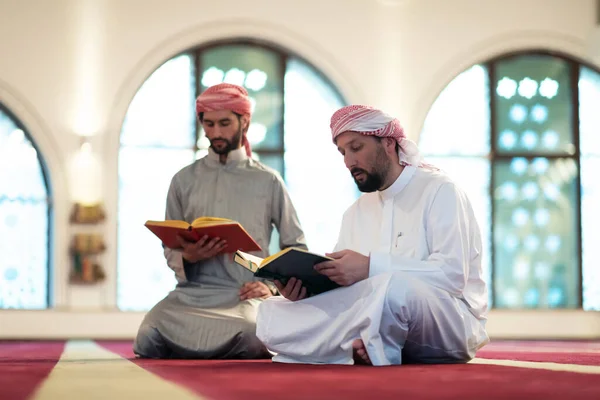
{"x": 359, "y": 353}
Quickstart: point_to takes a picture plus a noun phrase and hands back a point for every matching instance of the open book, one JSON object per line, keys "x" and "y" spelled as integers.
{"x": 236, "y": 236}
{"x": 288, "y": 263}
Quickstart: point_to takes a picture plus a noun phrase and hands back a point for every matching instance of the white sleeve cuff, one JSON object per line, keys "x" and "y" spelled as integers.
{"x": 379, "y": 263}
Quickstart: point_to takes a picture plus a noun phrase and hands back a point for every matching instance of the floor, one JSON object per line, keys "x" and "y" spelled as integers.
{"x": 107, "y": 370}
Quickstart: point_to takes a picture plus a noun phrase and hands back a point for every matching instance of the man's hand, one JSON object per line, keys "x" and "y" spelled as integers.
{"x": 253, "y": 290}
{"x": 203, "y": 249}
{"x": 347, "y": 268}
{"x": 293, "y": 291}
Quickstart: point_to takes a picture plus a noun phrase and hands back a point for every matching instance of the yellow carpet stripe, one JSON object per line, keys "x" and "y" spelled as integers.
{"x": 582, "y": 369}
{"x": 545, "y": 350}
{"x": 88, "y": 371}
{"x": 540, "y": 349}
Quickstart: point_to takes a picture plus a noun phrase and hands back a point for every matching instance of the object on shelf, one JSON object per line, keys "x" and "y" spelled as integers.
{"x": 84, "y": 253}
{"x": 87, "y": 213}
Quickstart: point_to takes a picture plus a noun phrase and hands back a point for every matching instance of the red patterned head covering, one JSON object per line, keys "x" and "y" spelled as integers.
{"x": 373, "y": 122}
{"x": 226, "y": 96}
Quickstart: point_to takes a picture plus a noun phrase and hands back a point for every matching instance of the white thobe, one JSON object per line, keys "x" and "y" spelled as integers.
{"x": 425, "y": 299}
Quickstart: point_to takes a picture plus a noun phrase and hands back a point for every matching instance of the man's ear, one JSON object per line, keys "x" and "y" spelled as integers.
{"x": 390, "y": 145}
{"x": 245, "y": 121}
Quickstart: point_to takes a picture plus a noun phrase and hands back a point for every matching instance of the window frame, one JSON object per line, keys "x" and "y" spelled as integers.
{"x": 284, "y": 55}
{"x": 195, "y": 55}
{"x": 495, "y": 156}
{"x": 49, "y": 298}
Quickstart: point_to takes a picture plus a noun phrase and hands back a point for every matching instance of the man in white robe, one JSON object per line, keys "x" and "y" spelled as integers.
{"x": 408, "y": 256}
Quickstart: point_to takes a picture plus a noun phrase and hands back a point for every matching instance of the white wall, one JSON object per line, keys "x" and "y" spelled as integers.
{"x": 70, "y": 67}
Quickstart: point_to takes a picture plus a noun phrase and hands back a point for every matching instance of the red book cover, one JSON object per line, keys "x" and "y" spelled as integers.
{"x": 237, "y": 237}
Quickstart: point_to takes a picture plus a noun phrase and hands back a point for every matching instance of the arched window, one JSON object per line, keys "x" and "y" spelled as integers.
{"x": 289, "y": 132}
{"x": 25, "y": 219}
{"x": 521, "y": 133}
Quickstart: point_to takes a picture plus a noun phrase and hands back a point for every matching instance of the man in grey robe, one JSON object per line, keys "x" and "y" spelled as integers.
{"x": 212, "y": 311}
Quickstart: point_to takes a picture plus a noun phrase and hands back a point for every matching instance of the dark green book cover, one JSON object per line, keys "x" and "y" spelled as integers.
{"x": 288, "y": 263}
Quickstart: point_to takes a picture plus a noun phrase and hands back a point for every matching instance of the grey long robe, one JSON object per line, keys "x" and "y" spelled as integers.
{"x": 203, "y": 316}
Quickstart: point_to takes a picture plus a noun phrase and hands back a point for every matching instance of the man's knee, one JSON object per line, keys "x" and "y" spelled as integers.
{"x": 435, "y": 324}
{"x": 149, "y": 343}
{"x": 406, "y": 290}
{"x": 247, "y": 343}
{"x": 247, "y": 333}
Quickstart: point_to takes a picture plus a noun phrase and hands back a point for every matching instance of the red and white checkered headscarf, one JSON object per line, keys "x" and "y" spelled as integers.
{"x": 226, "y": 96}
{"x": 371, "y": 121}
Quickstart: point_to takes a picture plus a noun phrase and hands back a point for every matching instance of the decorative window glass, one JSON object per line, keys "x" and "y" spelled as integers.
{"x": 25, "y": 219}
{"x": 289, "y": 133}
{"x": 520, "y": 134}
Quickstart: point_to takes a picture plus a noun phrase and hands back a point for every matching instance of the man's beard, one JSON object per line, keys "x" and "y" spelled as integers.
{"x": 230, "y": 145}
{"x": 371, "y": 183}
{"x": 375, "y": 179}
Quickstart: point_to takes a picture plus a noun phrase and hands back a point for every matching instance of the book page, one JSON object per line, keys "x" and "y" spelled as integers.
{"x": 169, "y": 224}
{"x": 250, "y": 257}
{"x": 208, "y": 221}
{"x": 282, "y": 252}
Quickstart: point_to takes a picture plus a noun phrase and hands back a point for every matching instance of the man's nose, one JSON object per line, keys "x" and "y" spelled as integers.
{"x": 213, "y": 132}
{"x": 349, "y": 161}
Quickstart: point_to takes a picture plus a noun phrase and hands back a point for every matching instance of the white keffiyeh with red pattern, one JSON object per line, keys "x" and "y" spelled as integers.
{"x": 371, "y": 121}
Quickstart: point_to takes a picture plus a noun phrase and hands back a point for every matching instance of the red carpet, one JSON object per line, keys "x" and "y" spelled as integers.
{"x": 562, "y": 358}
{"x": 227, "y": 380}
{"x": 24, "y": 366}
{"x": 582, "y": 353}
